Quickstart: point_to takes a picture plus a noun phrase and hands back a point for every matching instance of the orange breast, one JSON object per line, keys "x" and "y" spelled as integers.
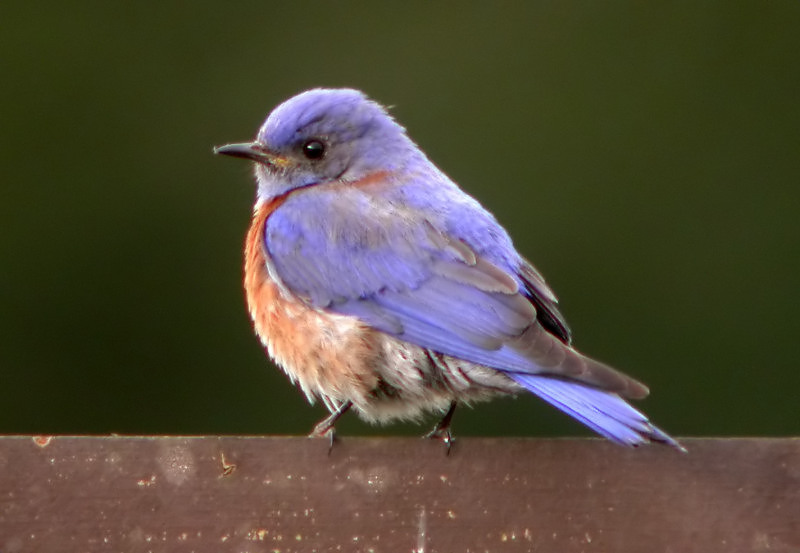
{"x": 329, "y": 356}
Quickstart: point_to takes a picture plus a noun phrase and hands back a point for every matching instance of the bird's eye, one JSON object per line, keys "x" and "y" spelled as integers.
{"x": 313, "y": 149}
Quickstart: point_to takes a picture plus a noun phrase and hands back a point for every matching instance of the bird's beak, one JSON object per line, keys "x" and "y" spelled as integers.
{"x": 254, "y": 151}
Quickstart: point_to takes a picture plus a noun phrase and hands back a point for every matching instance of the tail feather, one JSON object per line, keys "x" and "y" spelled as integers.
{"x": 604, "y": 412}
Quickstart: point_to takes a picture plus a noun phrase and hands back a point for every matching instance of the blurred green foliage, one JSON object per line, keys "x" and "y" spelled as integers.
{"x": 645, "y": 156}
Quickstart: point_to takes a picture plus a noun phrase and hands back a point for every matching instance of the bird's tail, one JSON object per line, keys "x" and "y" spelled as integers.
{"x": 604, "y": 412}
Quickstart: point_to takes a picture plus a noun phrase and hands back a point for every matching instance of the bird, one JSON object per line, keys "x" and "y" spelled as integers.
{"x": 379, "y": 286}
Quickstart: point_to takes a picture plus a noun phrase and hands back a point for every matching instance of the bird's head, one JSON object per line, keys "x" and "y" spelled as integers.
{"x": 323, "y": 135}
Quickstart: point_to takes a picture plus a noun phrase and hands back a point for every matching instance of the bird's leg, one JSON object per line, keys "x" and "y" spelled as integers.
{"x": 442, "y": 429}
{"x": 326, "y": 427}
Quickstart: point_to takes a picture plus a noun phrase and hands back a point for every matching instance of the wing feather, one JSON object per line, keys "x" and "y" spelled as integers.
{"x": 408, "y": 277}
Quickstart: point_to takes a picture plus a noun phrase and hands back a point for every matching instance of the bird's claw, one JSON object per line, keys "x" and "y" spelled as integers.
{"x": 442, "y": 432}
{"x": 326, "y": 427}
{"x": 443, "y": 435}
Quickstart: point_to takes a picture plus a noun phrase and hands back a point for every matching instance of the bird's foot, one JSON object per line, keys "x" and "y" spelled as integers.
{"x": 442, "y": 432}
{"x": 326, "y": 428}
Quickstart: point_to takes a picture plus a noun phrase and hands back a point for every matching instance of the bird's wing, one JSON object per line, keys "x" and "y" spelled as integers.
{"x": 545, "y": 301}
{"x": 401, "y": 275}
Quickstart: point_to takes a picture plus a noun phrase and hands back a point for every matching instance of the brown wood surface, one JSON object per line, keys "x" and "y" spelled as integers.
{"x": 253, "y": 494}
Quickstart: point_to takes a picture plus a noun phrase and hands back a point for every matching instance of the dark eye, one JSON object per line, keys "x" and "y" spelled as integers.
{"x": 314, "y": 149}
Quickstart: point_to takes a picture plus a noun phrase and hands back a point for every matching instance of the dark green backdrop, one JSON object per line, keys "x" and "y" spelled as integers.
{"x": 645, "y": 156}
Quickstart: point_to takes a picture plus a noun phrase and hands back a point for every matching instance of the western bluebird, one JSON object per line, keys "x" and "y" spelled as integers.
{"x": 377, "y": 284}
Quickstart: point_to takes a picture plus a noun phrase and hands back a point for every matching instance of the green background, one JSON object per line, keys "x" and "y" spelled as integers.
{"x": 644, "y": 155}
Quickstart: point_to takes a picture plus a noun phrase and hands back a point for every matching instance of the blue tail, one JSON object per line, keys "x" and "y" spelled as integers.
{"x": 604, "y": 412}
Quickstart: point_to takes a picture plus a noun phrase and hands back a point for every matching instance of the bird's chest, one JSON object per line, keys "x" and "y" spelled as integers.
{"x": 328, "y": 355}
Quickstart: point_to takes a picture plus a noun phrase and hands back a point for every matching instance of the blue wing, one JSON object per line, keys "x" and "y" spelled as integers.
{"x": 411, "y": 277}
{"x": 401, "y": 274}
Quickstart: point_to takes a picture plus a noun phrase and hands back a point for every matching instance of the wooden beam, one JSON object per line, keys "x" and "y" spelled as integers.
{"x": 272, "y": 494}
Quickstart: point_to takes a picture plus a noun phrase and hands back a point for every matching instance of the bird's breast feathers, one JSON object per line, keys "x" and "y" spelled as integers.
{"x": 317, "y": 350}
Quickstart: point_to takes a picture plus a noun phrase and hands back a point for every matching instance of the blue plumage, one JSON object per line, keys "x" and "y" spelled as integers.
{"x": 367, "y": 243}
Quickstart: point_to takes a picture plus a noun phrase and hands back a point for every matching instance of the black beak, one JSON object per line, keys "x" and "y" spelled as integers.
{"x": 253, "y": 151}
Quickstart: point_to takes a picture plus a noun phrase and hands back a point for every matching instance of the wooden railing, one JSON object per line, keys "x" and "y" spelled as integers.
{"x": 272, "y": 494}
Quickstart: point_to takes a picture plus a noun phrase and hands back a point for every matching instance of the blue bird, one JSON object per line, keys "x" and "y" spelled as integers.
{"x": 378, "y": 285}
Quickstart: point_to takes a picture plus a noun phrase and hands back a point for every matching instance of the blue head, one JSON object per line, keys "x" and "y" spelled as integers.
{"x": 323, "y": 135}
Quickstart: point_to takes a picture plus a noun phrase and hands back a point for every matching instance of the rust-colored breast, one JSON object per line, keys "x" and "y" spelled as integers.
{"x": 329, "y": 356}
